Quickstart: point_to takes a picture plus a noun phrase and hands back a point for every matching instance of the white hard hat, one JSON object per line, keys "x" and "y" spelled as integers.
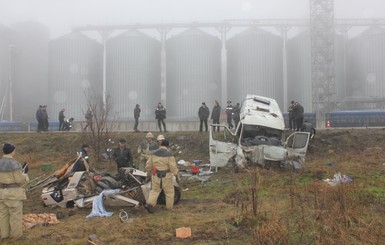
{"x": 160, "y": 137}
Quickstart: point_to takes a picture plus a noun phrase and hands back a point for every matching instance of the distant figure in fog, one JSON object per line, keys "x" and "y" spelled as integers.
{"x": 229, "y": 112}
{"x": 136, "y": 116}
{"x": 291, "y": 116}
{"x": 298, "y": 115}
{"x": 39, "y": 118}
{"x": 61, "y": 119}
{"x": 203, "y": 114}
{"x": 44, "y": 118}
{"x": 160, "y": 115}
{"x": 236, "y": 114}
{"x": 216, "y": 114}
{"x": 89, "y": 115}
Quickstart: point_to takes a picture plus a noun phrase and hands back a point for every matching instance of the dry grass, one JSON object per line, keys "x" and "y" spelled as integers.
{"x": 261, "y": 207}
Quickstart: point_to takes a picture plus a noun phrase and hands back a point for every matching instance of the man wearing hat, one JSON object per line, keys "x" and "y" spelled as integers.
{"x": 12, "y": 177}
{"x": 122, "y": 155}
{"x": 161, "y": 166}
{"x": 145, "y": 149}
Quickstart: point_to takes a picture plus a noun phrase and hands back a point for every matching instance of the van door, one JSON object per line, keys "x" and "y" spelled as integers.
{"x": 222, "y": 146}
{"x": 296, "y": 145}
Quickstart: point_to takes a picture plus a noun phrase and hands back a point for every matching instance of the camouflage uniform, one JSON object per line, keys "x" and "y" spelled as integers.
{"x": 162, "y": 160}
{"x": 145, "y": 149}
{"x": 11, "y": 196}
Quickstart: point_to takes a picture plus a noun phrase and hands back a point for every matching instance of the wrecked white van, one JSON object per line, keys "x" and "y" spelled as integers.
{"x": 258, "y": 139}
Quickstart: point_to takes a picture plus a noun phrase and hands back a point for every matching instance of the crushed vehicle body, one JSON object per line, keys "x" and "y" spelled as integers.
{"x": 67, "y": 189}
{"x": 258, "y": 139}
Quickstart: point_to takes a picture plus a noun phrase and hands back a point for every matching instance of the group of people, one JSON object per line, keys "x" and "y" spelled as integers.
{"x": 154, "y": 158}
{"x": 42, "y": 118}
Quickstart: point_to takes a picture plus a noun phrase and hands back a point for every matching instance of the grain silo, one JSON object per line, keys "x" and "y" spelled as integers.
{"x": 133, "y": 74}
{"x": 365, "y": 66}
{"x": 30, "y": 69}
{"x": 75, "y": 74}
{"x": 5, "y": 57}
{"x": 299, "y": 69}
{"x": 254, "y": 65}
{"x": 193, "y": 73}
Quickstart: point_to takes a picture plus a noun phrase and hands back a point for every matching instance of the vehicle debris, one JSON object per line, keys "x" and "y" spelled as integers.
{"x": 338, "y": 178}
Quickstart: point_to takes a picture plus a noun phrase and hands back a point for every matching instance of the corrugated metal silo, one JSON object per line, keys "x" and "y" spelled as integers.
{"x": 5, "y": 41}
{"x": 299, "y": 69}
{"x": 254, "y": 65}
{"x": 366, "y": 61}
{"x": 193, "y": 73}
{"x": 133, "y": 74}
{"x": 75, "y": 74}
{"x": 31, "y": 68}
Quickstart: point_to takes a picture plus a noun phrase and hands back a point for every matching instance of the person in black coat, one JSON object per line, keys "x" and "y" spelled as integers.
{"x": 122, "y": 155}
{"x": 39, "y": 118}
{"x": 80, "y": 165}
{"x": 203, "y": 114}
{"x": 298, "y": 115}
{"x": 236, "y": 114}
{"x": 216, "y": 114}
{"x": 291, "y": 116}
{"x": 160, "y": 115}
{"x": 61, "y": 119}
{"x": 136, "y": 116}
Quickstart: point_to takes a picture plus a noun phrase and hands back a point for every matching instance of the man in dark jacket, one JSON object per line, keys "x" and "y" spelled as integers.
{"x": 136, "y": 116}
{"x": 308, "y": 127}
{"x": 291, "y": 116}
{"x": 61, "y": 119}
{"x": 298, "y": 115}
{"x": 39, "y": 118}
{"x": 80, "y": 165}
{"x": 229, "y": 112}
{"x": 160, "y": 115}
{"x": 237, "y": 114}
{"x": 122, "y": 155}
{"x": 203, "y": 114}
{"x": 216, "y": 114}
{"x": 44, "y": 118}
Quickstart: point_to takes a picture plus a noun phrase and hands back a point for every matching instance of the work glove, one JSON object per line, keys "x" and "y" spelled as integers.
{"x": 25, "y": 168}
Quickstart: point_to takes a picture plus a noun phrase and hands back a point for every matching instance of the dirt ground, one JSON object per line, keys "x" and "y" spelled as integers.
{"x": 221, "y": 210}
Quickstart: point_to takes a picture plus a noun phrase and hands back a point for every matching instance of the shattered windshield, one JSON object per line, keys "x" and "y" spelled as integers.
{"x": 258, "y": 135}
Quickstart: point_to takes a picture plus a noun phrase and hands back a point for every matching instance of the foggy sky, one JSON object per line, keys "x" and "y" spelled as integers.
{"x": 62, "y": 15}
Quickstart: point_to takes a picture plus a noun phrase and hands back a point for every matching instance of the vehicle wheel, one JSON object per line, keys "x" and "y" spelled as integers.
{"x": 177, "y": 196}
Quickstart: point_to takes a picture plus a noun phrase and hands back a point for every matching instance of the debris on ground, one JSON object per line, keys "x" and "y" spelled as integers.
{"x": 98, "y": 206}
{"x": 183, "y": 232}
{"x": 32, "y": 220}
{"x": 338, "y": 178}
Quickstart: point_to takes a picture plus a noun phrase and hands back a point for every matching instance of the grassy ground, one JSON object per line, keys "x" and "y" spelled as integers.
{"x": 262, "y": 206}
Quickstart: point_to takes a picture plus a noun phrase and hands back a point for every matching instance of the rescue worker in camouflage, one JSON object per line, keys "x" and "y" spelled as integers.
{"x": 145, "y": 149}
{"x": 161, "y": 166}
{"x": 12, "y": 176}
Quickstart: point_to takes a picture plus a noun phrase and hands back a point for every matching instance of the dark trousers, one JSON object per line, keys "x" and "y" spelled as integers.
{"x": 61, "y": 125}
{"x": 136, "y": 123}
{"x": 160, "y": 121}
{"x": 292, "y": 123}
{"x": 203, "y": 121}
{"x": 299, "y": 123}
{"x": 229, "y": 121}
{"x": 216, "y": 121}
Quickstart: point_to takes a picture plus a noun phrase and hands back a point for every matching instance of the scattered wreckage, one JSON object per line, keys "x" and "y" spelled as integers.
{"x": 66, "y": 188}
{"x": 258, "y": 139}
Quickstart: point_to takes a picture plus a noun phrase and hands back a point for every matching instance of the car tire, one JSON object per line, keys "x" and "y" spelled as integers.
{"x": 177, "y": 196}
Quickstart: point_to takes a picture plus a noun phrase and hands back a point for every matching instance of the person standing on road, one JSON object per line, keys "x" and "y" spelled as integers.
{"x": 298, "y": 115}
{"x": 291, "y": 116}
{"x": 122, "y": 155}
{"x": 160, "y": 115}
{"x": 89, "y": 116}
{"x": 161, "y": 166}
{"x": 145, "y": 149}
{"x": 61, "y": 119}
{"x": 216, "y": 114}
{"x": 12, "y": 177}
{"x": 136, "y": 116}
{"x": 203, "y": 114}
{"x": 229, "y": 112}
{"x": 39, "y": 118}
